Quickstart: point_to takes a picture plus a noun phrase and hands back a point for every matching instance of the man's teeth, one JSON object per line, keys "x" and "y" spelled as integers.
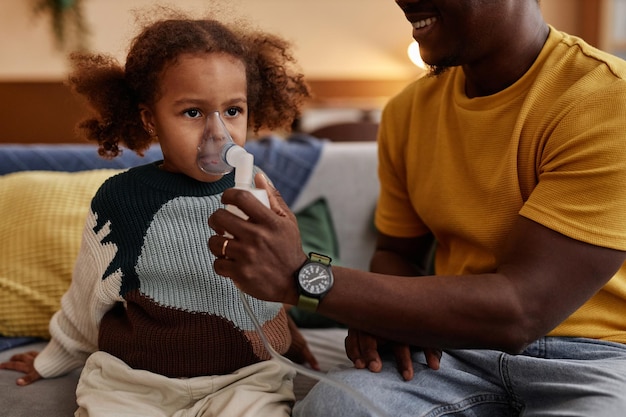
{"x": 423, "y": 23}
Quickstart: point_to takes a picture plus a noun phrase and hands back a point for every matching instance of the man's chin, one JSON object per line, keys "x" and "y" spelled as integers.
{"x": 437, "y": 70}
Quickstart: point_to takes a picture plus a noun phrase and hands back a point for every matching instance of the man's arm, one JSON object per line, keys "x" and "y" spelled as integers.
{"x": 402, "y": 256}
{"x": 542, "y": 277}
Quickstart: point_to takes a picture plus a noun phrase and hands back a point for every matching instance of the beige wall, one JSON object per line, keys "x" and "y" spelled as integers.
{"x": 563, "y": 14}
{"x": 334, "y": 39}
{"x": 353, "y": 53}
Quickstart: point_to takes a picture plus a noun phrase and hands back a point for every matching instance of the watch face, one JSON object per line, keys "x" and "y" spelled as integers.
{"x": 315, "y": 278}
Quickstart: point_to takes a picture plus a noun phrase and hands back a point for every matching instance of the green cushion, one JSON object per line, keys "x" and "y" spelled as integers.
{"x": 318, "y": 235}
{"x": 317, "y": 230}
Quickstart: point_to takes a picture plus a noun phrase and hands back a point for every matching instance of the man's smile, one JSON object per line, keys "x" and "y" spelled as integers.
{"x": 424, "y": 22}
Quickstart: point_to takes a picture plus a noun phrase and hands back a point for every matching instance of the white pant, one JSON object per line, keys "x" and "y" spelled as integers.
{"x": 109, "y": 387}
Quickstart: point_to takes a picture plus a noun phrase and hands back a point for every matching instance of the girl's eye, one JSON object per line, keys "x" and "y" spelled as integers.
{"x": 193, "y": 113}
{"x": 233, "y": 111}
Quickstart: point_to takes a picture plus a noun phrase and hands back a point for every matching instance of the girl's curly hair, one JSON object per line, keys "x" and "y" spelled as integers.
{"x": 276, "y": 89}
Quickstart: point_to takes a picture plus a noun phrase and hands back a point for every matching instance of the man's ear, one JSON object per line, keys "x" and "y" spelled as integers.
{"x": 147, "y": 118}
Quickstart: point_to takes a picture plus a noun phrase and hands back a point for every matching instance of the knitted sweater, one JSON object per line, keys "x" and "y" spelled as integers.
{"x": 144, "y": 289}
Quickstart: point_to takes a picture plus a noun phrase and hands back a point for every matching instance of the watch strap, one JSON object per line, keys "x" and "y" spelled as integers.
{"x": 317, "y": 257}
{"x": 308, "y": 303}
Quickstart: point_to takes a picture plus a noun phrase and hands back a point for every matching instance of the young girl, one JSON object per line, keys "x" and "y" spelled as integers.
{"x": 158, "y": 331}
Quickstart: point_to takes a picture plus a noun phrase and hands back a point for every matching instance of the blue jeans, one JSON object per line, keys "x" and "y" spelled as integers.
{"x": 553, "y": 377}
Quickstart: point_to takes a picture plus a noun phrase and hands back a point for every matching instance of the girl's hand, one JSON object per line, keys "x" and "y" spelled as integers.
{"x": 23, "y": 362}
{"x": 299, "y": 351}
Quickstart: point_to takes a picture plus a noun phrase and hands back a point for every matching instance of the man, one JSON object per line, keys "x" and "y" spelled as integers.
{"x": 511, "y": 155}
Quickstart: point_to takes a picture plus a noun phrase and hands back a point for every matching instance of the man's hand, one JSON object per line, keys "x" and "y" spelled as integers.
{"x": 23, "y": 362}
{"x": 363, "y": 350}
{"x": 265, "y": 251}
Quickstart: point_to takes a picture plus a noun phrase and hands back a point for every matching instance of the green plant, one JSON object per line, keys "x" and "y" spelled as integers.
{"x": 68, "y": 23}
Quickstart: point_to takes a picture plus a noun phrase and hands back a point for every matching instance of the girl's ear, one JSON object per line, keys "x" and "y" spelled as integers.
{"x": 147, "y": 118}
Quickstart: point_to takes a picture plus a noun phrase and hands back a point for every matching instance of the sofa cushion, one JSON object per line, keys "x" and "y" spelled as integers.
{"x": 346, "y": 176}
{"x": 43, "y": 214}
{"x": 288, "y": 163}
{"x": 68, "y": 157}
{"x": 317, "y": 230}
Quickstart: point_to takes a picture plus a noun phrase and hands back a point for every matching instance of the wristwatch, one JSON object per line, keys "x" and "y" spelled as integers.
{"x": 314, "y": 280}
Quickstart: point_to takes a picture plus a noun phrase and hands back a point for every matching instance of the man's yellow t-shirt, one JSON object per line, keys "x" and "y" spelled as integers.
{"x": 551, "y": 147}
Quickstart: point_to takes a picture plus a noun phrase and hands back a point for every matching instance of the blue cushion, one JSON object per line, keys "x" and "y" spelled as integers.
{"x": 68, "y": 158}
{"x": 288, "y": 163}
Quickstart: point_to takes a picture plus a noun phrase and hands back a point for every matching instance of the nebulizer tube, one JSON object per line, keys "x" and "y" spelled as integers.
{"x": 218, "y": 154}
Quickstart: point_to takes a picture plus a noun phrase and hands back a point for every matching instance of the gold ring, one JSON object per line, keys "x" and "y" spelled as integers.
{"x": 224, "y": 247}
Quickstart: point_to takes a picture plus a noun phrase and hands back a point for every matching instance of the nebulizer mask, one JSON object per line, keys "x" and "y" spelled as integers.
{"x": 218, "y": 154}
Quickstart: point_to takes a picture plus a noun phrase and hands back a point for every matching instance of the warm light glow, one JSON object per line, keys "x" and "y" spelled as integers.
{"x": 414, "y": 55}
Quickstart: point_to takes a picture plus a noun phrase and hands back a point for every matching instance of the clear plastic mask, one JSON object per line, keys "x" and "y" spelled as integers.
{"x": 213, "y": 146}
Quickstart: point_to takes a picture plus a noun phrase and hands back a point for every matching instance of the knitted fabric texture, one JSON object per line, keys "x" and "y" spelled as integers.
{"x": 156, "y": 302}
{"x": 43, "y": 214}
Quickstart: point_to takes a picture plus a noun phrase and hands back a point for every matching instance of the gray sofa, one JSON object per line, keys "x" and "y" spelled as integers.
{"x": 343, "y": 174}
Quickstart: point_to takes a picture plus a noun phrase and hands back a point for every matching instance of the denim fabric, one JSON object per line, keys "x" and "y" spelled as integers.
{"x": 553, "y": 377}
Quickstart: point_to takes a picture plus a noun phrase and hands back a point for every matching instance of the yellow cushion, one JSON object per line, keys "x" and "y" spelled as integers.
{"x": 42, "y": 215}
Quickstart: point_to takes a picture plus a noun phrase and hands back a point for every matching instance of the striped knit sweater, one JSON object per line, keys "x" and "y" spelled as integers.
{"x": 144, "y": 289}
